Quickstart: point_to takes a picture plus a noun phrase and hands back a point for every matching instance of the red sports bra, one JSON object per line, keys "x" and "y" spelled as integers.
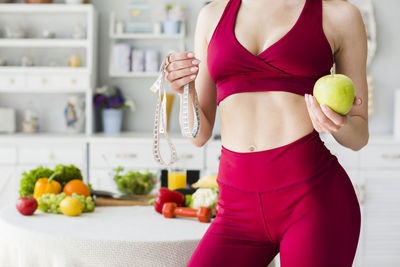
{"x": 292, "y": 64}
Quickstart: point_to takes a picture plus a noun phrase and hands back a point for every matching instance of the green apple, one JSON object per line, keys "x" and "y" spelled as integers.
{"x": 335, "y": 91}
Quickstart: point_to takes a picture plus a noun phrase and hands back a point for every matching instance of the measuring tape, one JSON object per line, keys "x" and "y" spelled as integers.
{"x": 161, "y": 116}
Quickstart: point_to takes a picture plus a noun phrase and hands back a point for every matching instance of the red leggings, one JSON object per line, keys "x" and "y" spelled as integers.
{"x": 295, "y": 199}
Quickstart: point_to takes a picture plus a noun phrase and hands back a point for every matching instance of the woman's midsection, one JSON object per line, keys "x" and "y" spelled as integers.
{"x": 255, "y": 121}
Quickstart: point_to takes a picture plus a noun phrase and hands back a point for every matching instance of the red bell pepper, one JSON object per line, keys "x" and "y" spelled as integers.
{"x": 165, "y": 195}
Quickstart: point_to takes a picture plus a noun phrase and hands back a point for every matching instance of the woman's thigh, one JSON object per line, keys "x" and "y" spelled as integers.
{"x": 326, "y": 228}
{"x": 218, "y": 250}
{"x": 236, "y": 237}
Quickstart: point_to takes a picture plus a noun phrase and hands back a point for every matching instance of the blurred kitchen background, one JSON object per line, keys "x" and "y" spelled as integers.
{"x": 55, "y": 58}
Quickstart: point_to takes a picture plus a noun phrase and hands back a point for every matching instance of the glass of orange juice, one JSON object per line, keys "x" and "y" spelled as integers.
{"x": 176, "y": 177}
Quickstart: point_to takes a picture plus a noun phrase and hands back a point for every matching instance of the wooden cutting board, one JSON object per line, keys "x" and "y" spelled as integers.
{"x": 107, "y": 202}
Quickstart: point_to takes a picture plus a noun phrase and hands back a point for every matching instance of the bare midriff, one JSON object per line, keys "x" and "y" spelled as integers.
{"x": 256, "y": 121}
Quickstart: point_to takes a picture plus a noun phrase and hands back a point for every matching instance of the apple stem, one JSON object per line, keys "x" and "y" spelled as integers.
{"x": 333, "y": 70}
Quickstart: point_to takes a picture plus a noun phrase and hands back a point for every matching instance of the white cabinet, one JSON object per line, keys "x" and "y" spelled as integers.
{"x": 24, "y": 153}
{"x": 380, "y": 156}
{"x": 213, "y": 154}
{"x": 8, "y": 155}
{"x": 380, "y": 243}
{"x": 12, "y": 81}
{"x": 72, "y": 82}
{"x": 109, "y": 155}
{"x": 8, "y": 185}
{"x": 52, "y": 154}
{"x": 102, "y": 179}
{"x": 140, "y": 154}
{"x": 135, "y": 154}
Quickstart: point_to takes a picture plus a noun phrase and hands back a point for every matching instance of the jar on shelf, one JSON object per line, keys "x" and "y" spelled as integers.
{"x": 75, "y": 60}
{"x": 137, "y": 60}
{"x": 30, "y": 123}
{"x": 140, "y": 20}
{"x": 112, "y": 120}
{"x": 74, "y": 114}
{"x": 174, "y": 16}
{"x": 152, "y": 60}
{"x": 79, "y": 32}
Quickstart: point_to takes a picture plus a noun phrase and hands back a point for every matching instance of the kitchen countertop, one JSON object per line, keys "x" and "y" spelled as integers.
{"x": 110, "y": 236}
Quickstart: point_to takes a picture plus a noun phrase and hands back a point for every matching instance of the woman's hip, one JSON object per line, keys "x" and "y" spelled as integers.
{"x": 274, "y": 169}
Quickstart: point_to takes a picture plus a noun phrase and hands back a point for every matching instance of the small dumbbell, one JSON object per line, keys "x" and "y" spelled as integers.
{"x": 170, "y": 210}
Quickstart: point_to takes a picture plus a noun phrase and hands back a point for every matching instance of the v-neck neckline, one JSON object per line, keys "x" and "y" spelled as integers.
{"x": 274, "y": 44}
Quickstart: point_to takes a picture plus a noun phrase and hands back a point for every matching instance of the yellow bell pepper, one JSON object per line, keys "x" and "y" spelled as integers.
{"x": 47, "y": 185}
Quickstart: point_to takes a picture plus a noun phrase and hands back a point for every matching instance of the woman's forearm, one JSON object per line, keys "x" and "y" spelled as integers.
{"x": 354, "y": 134}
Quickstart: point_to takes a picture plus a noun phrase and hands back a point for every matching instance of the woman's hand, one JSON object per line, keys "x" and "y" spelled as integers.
{"x": 181, "y": 69}
{"x": 325, "y": 119}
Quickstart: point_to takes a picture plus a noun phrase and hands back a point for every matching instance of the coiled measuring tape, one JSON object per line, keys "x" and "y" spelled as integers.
{"x": 185, "y": 114}
{"x": 161, "y": 116}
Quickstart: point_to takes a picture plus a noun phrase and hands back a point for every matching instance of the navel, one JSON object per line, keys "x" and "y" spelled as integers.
{"x": 252, "y": 148}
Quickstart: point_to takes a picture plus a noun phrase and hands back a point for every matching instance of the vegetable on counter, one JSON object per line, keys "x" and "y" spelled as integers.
{"x": 209, "y": 181}
{"x": 165, "y": 195}
{"x": 29, "y": 179}
{"x": 50, "y": 203}
{"x": 203, "y": 197}
{"x": 78, "y": 187}
{"x": 134, "y": 182}
{"x": 71, "y": 206}
{"x": 46, "y": 186}
{"x": 68, "y": 173}
{"x": 27, "y": 205}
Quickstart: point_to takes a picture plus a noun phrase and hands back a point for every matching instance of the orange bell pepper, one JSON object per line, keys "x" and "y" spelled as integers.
{"x": 46, "y": 186}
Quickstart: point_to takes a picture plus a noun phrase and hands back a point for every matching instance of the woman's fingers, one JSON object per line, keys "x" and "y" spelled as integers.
{"x": 182, "y": 68}
{"x": 182, "y": 64}
{"x": 180, "y": 56}
{"x": 333, "y": 116}
{"x": 179, "y": 83}
{"x": 173, "y": 75}
{"x": 357, "y": 101}
{"x": 311, "y": 114}
{"x": 321, "y": 117}
{"x": 320, "y": 120}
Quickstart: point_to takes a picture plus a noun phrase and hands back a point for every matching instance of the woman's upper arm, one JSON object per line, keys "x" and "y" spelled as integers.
{"x": 204, "y": 84}
{"x": 351, "y": 53}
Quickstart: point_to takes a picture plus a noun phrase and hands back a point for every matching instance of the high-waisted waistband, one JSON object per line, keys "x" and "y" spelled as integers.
{"x": 276, "y": 168}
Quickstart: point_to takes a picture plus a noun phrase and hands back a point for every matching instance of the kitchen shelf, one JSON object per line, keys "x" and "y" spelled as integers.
{"x": 116, "y": 37}
{"x": 42, "y": 137}
{"x": 45, "y": 91}
{"x": 147, "y": 36}
{"x": 44, "y": 43}
{"x": 47, "y": 70}
{"x": 53, "y": 79}
{"x": 134, "y": 74}
{"x": 45, "y": 8}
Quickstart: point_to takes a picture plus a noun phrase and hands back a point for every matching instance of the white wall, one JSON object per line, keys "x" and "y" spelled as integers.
{"x": 385, "y": 68}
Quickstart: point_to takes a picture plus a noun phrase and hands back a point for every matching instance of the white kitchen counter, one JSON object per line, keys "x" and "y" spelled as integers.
{"x": 110, "y": 236}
